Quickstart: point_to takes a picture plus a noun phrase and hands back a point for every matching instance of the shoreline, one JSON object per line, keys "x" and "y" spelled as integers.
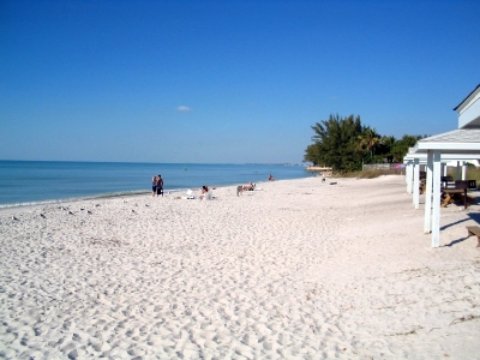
{"x": 42, "y": 182}
{"x": 295, "y": 269}
{"x": 125, "y": 194}
{"x": 74, "y": 199}
{"x": 112, "y": 195}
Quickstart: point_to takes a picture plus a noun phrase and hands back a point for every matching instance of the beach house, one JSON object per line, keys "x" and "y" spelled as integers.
{"x": 461, "y": 145}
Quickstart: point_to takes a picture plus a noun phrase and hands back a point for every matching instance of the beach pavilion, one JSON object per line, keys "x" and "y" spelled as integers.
{"x": 461, "y": 145}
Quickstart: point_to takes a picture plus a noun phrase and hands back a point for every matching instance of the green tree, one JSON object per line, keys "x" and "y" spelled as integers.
{"x": 400, "y": 147}
{"x": 312, "y": 154}
{"x": 342, "y": 143}
{"x": 368, "y": 141}
{"x": 385, "y": 146}
{"x": 335, "y": 143}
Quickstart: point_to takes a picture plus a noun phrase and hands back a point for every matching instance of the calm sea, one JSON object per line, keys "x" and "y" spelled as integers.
{"x": 26, "y": 182}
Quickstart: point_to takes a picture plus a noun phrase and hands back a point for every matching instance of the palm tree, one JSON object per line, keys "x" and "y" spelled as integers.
{"x": 367, "y": 140}
{"x": 335, "y": 141}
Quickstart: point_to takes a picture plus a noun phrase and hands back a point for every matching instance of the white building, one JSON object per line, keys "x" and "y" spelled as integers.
{"x": 462, "y": 144}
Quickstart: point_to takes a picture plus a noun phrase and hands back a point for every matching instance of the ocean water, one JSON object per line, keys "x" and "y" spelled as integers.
{"x": 27, "y": 182}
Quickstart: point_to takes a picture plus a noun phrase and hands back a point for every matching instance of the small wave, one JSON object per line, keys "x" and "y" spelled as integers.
{"x": 72, "y": 199}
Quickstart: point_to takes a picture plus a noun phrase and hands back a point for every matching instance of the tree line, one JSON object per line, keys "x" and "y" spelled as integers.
{"x": 344, "y": 144}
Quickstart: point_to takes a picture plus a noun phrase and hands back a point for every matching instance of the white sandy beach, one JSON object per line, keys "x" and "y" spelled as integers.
{"x": 297, "y": 269}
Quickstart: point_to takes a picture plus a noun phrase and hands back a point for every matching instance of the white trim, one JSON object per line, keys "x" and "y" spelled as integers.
{"x": 422, "y": 156}
{"x": 475, "y": 94}
{"x": 449, "y": 146}
{"x": 470, "y": 115}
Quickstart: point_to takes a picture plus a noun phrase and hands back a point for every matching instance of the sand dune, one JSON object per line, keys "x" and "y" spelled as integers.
{"x": 297, "y": 269}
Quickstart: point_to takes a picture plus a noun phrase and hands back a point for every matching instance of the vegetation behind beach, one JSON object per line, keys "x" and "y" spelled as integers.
{"x": 345, "y": 144}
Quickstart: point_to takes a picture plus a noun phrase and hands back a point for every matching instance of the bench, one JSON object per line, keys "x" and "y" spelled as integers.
{"x": 459, "y": 187}
{"x": 474, "y": 230}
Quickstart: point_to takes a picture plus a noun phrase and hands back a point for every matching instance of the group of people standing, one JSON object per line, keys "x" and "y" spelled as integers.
{"x": 157, "y": 185}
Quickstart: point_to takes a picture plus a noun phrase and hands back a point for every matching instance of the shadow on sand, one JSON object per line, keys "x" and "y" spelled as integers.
{"x": 471, "y": 216}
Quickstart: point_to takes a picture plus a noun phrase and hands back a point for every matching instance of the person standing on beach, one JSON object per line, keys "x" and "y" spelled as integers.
{"x": 154, "y": 185}
{"x": 159, "y": 185}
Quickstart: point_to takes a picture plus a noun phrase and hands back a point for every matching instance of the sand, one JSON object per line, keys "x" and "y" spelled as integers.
{"x": 296, "y": 269}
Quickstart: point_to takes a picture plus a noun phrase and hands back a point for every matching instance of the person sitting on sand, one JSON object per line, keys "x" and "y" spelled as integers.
{"x": 249, "y": 187}
{"x": 205, "y": 193}
{"x": 270, "y": 178}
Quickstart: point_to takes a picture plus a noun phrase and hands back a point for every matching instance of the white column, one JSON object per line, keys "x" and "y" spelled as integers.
{"x": 459, "y": 170}
{"x": 427, "y": 228}
{"x": 445, "y": 169}
{"x": 436, "y": 200}
{"x": 406, "y": 164}
{"x": 409, "y": 176}
{"x": 416, "y": 184}
{"x": 464, "y": 170}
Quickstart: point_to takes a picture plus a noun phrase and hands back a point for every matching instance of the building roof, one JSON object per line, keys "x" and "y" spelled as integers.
{"x": 467, "y": 97}
{"x": 452, "y": 141}
{"x": 463, "y": 141}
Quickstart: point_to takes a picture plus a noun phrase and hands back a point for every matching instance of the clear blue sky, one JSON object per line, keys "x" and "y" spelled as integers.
{"x": 225, "y": 81}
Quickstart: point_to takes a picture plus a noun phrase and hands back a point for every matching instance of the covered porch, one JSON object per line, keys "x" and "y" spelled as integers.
{"x": 460, "y": 145}
{"x": 432, "y": 153}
